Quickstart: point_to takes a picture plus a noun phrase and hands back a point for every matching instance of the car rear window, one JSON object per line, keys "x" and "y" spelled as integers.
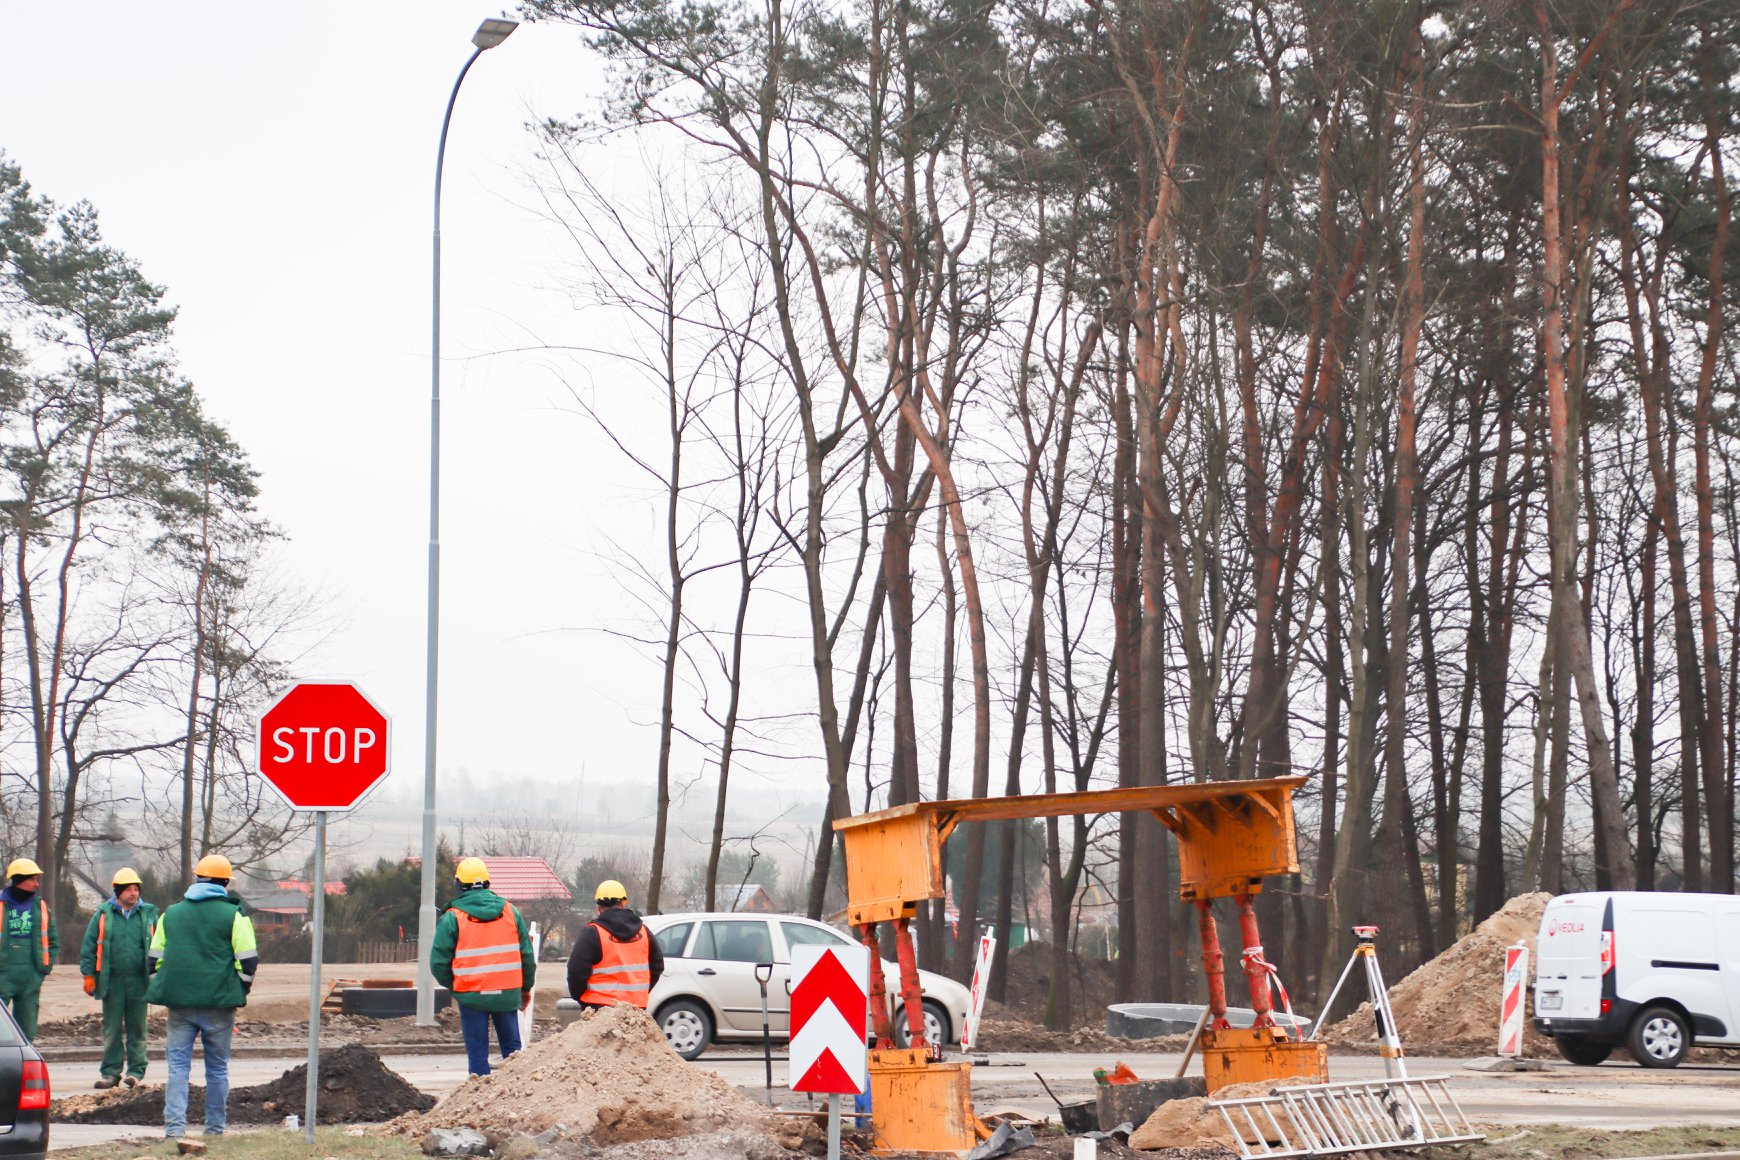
{"x": 736, "y": 942}
{"x": 672, "y": 938}
{"x": 802, "y": 934}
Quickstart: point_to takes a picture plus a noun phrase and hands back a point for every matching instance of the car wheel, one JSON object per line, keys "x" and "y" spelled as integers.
{"x": 1659, "y": 1037}
{"x": 936, "y": 1025}
{"x": 687, "y": 1026}
{"x": 1581, "y": 1050}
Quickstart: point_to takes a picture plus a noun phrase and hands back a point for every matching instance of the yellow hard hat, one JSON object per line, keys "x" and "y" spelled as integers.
{"x": 610, "y": 890}
{"x": 127, "y": 876}
{"x": 214, "y": 866}
{"x": 23, "y": 868}
{"x": 471, "y": 871}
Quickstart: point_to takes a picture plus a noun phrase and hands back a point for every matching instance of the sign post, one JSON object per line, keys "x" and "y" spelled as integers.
{"x": 323, "y": 747}
{"x": 976, "y": 995}
{"x": 830, "y": 1012}
{"x": 1510, "y": 1011}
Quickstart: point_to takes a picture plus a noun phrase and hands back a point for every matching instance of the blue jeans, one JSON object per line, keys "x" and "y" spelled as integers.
{"x": 475, "y": 1025}
{"x": 213, "y": 1026}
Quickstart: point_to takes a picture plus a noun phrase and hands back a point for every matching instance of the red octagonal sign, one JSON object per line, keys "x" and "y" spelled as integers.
{"x": 323, "y": 746}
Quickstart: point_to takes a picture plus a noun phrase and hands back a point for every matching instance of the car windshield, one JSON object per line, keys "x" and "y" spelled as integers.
{"x": 737, "y": 942}
{"x": 802, "y": 934}
{"x": 672, "y": 938}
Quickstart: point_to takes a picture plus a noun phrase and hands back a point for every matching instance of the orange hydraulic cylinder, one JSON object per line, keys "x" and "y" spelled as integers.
{"x": 911, "y": 993}
{"x": 878, "y": 989}
{"x": 1213, "y": 965}
{"x": 1256, "y": 974}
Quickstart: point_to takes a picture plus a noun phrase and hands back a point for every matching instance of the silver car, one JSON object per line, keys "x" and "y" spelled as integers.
{"x": 709, "y": 992}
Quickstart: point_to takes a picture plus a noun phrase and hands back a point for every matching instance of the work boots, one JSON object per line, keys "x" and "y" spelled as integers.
{"x": 108, "y": 1081}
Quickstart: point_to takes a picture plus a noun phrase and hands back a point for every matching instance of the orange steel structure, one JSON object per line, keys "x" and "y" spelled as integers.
{"x": 1231, "y": 835}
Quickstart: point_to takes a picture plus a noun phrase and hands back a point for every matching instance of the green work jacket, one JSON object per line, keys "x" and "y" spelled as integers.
{"x": 124, "y": 939}
{"x": 204, "y": 949}
{"x": 26, "y": 957}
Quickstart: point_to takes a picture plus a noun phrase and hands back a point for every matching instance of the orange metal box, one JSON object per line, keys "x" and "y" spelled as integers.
{"x": 1260, "y": 1054}
{"x": 921, "y": 1106}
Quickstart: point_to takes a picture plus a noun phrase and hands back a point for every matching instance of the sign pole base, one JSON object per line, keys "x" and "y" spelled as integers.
{"x": 311, "y": 1096}
{"x": 833, "y": 1127}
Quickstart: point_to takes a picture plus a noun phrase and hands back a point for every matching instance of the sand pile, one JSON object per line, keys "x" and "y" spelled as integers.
{"x": 355, "y": 1088}
{"x": 1011, "y": 1035}
{"x": 1191, "y": 1123}
{"x": 609, "y": 1076}
{"x": 1452, "y": 1001}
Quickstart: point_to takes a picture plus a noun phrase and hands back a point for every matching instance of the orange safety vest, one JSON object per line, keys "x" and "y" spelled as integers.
{"x": 623, "y": 973}
{"x": 486, "y": 956}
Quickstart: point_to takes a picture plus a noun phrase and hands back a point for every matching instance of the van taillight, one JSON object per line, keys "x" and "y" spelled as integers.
{"x": 1606, "y": 952}
{"x": 1606, "y": 1006}
{"x": 34, "y": 1093}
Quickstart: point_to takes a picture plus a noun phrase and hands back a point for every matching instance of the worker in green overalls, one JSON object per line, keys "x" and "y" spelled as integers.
{"x": 113, "y": 963}
{"x": 29, "y": 943}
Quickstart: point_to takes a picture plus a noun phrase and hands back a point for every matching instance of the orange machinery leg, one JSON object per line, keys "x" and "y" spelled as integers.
{"x": 911, "y": 994}
{"x": 1255, "y": 976}
{"x": 878, "y": 989}
{"x": 1213, "y": 965}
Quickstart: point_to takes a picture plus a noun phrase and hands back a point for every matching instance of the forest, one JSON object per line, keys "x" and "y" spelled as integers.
{"x": 1077, "y": 393}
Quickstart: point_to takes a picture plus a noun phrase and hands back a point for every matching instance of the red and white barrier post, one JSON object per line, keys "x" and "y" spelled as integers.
{"x": 1510, "y": 1011}
{"x": 976, "y": 994}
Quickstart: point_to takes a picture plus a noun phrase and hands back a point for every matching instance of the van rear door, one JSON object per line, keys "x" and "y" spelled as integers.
{"x": 1568, "y": 958}
{"x": 1728, "y": 936}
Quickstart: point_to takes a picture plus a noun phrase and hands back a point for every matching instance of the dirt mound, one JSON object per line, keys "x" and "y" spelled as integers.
{"x": 1451, "y": 1003}
{"x": 355, "y": 1088}
{"x": 1191, "y": 1123}
{"x": 1091, "y": 985}
{"x": 609, "y": 1076}
{"x": 1011, "y": 1035}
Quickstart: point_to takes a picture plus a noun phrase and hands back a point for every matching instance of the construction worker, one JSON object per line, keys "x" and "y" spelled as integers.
{"x": 31, "y": 943}
{"x": 202, "y": 961}
{"x": 483, "y": 954}
{"x": 615, "y": 958}
{"x": 116, "y": 949}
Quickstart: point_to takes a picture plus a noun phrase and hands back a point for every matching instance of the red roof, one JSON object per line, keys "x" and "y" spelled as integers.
{"x": 526, "y": 880}
{"x": 307, "y": 887}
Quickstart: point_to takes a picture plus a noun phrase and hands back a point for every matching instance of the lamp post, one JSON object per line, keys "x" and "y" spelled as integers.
{"x": 489, "y": 34}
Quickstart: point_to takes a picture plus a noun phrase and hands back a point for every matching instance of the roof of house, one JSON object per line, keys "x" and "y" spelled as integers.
{"x": 307, "y": 887}
{"x": 526, "y": 880}
{"x": 743, "y": 896}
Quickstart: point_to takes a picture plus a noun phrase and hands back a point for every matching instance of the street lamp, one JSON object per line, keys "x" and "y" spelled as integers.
{"x": 489, "y": 34}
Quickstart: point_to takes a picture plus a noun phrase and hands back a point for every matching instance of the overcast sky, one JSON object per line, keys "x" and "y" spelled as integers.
{"x": 272, "y": 165}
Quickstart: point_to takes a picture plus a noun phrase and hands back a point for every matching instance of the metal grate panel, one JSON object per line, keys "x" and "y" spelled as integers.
{"x": 1334, "y": 1118}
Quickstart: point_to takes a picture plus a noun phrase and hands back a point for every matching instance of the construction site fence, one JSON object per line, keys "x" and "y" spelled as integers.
{"x": 338, "y": 946}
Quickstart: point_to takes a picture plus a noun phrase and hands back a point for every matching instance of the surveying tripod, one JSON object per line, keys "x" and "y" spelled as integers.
{"x": 1395, "y": 1067}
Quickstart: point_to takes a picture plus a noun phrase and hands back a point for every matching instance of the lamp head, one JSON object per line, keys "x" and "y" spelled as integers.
{"x": 492, "y": 32}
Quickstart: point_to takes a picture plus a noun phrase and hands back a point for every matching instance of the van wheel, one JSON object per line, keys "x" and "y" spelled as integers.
{"x": 1659, "y": 1037}
{"x": 687, "y": 1027}
{"x": 1581, "y": 1050}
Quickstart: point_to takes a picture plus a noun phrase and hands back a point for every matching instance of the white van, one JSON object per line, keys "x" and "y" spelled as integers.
{"x": 1652, "y": 973}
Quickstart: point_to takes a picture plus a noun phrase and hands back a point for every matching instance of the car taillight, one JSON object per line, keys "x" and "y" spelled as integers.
{"x": 34, "y": 1092}
{"x": 1606, "y": 952}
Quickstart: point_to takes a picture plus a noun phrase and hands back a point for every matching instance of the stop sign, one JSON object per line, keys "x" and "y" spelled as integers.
{"x": 323, "y": 746}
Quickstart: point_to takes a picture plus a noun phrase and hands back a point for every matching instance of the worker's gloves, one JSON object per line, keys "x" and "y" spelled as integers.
{"x": 90, "y": 984}
{"x": 525, "y": 1000}
{"x": 247, "y": 985}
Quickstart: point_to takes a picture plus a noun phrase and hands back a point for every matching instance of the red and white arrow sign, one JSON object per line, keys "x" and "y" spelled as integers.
{"x": 830, "y": 1010}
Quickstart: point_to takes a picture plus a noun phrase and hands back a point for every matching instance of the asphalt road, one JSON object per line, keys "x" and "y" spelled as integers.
{"x": 1614, "y": 1095}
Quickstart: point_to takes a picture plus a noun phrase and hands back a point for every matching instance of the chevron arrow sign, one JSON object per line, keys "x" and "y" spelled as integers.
{"x": 830, "y": 1009}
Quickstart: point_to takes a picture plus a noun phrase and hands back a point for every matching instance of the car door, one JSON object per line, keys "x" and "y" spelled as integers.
{"x": 679, "y": 976}
{"x": 725, "y": 952}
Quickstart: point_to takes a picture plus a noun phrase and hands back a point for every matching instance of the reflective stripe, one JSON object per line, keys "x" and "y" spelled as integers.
{"x": 472, "y": 952}
{"x": 484, "y": 969}
{"x": 624, "y": 969}
{"x": 102, "y": 930}
{"x": 618, "y": 987}
{"x": 42, "y": 932}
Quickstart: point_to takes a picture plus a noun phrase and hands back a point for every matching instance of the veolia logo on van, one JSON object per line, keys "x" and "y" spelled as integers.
{"x": 1566, "y": 925}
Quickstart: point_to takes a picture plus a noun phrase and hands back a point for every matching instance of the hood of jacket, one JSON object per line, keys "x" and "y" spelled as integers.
{"x": 621, "y": 922}
{"x": 17, "y": 897}
{"x": 480, "y": 904}
{"x": 205, "y": 892}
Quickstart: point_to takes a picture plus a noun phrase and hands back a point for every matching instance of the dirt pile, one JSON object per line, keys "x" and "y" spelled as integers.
{"x": 1450, "y": 1005}
{"x": 1191, "y": 1123}
{"x": 609, "y": 1076}
{"x": 1091, "y": 985}
{"x": 355, "y": 1088}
